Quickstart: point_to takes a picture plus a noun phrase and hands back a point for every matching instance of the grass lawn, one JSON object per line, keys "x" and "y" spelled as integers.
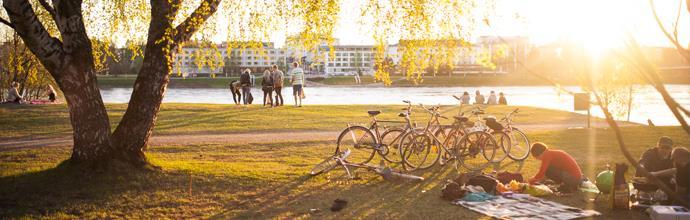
{"x": 53, "y": 120}
{"x": 269, "y": 181}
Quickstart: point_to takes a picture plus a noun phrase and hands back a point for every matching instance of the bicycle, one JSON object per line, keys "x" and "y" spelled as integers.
{"x": 339, "y": 159}
{"x": 470, "y": 145}
{"x": 519, "y": 147}
{"x": 365, "y": 142}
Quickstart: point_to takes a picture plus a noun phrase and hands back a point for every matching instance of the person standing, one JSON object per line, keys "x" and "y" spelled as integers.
{"x": 479, "y": 98}
{"x": 492, "y": 99}
{"x": 13, "y": 93}
{"x": 502, "y": 99}
{"x": 278, "y": 84}
{"x": 267, "y": 87}
{"x": 246, "y": 83}
{"x": 297, "y": 80}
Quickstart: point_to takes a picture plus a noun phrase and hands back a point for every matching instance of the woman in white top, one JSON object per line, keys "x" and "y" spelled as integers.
{"x": 492, "y": 99}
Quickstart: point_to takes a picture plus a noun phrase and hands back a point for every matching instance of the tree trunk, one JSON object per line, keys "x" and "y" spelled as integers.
{"x": 132, "y": 134}
{"x": 70, "y": 62}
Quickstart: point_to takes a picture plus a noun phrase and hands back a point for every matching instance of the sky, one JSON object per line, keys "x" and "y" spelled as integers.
{"x": 596, "y": 23}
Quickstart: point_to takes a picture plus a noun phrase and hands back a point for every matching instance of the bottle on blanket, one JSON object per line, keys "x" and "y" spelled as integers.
{"x": 620, "y": 195}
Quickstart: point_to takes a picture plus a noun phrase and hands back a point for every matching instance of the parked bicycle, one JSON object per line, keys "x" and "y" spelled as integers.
{"x": 365, "y": 142}
{"x": 472, "y": 149}
{"x": 519, "y": 143}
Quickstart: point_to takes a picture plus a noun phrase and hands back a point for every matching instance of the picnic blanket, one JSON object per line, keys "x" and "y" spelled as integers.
{"x": 522, "y": 206}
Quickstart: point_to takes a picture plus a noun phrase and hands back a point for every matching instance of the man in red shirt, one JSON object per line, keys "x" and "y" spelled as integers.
{"x": 558, "y": 166}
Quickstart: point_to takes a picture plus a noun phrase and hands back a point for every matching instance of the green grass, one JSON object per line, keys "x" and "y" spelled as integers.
{"x": 270, "y": 181}
{"x": 53, "y": 120}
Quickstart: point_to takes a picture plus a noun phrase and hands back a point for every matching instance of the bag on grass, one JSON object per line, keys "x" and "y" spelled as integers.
{"x": 485, "y": 181}
{"x": 251, "y": 98}
{"x": 506, "y": 177}
{"x": 452, "y": 191}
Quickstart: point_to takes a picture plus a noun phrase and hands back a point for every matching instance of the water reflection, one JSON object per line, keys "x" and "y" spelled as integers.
{"x": 647, "y": 103}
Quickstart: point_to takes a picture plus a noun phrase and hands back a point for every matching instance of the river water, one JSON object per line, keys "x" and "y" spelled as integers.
{"x": 647, "y": 103}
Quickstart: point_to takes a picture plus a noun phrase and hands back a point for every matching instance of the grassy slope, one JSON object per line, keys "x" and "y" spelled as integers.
{"x": 268, "y": 180}
{"x": 53, "y": 120}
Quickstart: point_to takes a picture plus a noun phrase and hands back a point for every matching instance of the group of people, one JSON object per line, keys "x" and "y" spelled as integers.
{"x": 14, "y": 96}
{"x": 272, "y": 81}
{"x": 671, "y": 165}
{"x": 480, "y": 99}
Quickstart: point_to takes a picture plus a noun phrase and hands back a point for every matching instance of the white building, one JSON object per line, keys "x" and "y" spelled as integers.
{"x": 347, "y": 59}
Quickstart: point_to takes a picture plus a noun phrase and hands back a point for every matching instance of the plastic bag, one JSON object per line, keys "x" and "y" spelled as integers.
{"x": 538, "y": 190}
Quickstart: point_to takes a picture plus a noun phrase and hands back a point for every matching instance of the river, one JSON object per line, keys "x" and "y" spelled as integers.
{"x": 647, "y": 103}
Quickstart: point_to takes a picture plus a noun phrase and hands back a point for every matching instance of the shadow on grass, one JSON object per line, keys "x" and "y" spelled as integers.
{"x": 64, "y": 192}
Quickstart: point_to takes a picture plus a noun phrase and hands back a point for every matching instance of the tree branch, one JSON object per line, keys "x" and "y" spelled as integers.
{"x": 2, "y": 20}
{"x": 47, "y": 49}
{"x": 48, "y": 8}
{"x": 186, "y": 29}
{"x": 684, "y": 52}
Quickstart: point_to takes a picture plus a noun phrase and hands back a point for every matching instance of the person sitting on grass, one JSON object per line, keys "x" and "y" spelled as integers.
{"x": 13, "y": 93}
{"x": 52, "y": 95}
{"x": 680, "y": 171}
{"x": 658, "y": 159}
{"x": 479, "y": 98}
{"x": 558, "y": 166}
{"x": 492, "y": 99}
{"x": 502, "y": 99}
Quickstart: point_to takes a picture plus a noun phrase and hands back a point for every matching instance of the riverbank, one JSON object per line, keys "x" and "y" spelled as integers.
{"x": 40, "y": 121}
{"x": 398, "y": 81}
{"x": 269, "y": 180}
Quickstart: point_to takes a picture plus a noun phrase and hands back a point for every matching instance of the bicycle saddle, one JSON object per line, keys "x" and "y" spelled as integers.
{"x": 461, "y": 118}
{"x": 374, "y": 112}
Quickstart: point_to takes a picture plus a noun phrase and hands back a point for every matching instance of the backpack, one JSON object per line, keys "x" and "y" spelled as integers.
{"x": 251, "y": 98}
{"x": 485, "y": 181}
{"x": 277, "y": 79}
{"x": 452, "y": 191}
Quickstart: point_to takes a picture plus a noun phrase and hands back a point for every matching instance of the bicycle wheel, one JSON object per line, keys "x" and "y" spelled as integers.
{"x": 361, "y": 142}
{"x": 390, "y": 140}
{"x": 475, "y": 150}
{"x": 503, "y": 147}
{"x": 519, "y": 145}
{"x": 416, "y": 150}
{"x": 326, "y": 165}
{"x": 449, "y": 136}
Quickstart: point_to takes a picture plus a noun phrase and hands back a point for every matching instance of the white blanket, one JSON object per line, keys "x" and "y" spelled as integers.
{"x": 526, "y": 207}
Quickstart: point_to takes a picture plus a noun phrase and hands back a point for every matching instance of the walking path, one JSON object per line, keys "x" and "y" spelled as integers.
{"x": 245, "y": 138}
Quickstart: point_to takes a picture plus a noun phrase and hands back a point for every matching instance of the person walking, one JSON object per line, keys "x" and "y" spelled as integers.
{"x": 246, "y": 83}
{"x": 492, "y": 99}
{"x": 297, "y": 81}
{"x": 278, "y": 84}
{"x": 479, "y": 98}
{"x": 267, "y": 87}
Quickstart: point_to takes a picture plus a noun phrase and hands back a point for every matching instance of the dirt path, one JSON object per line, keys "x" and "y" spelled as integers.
{"x": 245, "y": 138}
